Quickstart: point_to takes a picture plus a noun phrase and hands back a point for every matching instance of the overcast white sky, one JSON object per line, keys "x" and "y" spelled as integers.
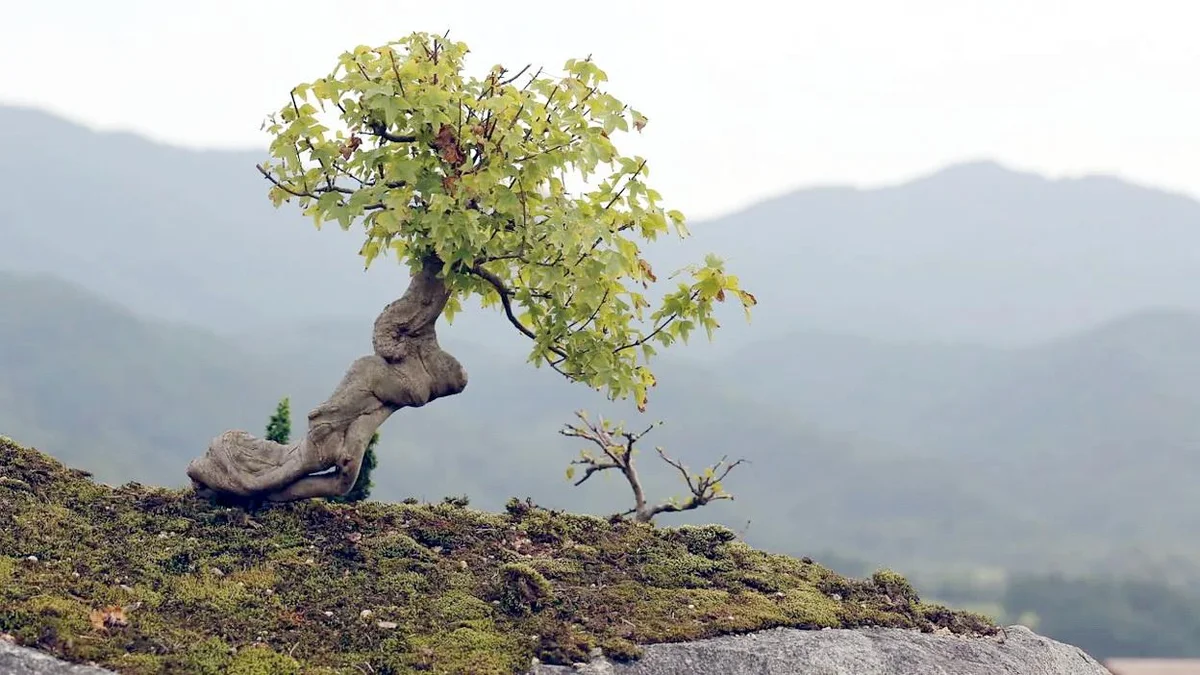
{"x": 745, "y": 99}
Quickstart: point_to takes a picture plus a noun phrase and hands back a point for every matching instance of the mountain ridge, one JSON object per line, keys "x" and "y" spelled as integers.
{"x": 975, "y": 251}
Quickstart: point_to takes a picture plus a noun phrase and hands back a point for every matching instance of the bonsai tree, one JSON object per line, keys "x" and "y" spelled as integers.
{"x": 618, "y": 447}
{"x": 507, "y": 188}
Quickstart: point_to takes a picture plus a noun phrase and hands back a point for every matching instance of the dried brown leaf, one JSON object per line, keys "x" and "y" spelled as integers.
{"x": 108, "y": 618}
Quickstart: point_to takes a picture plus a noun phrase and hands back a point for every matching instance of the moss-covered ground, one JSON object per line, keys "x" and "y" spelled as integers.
{"x": 149, "y": 580}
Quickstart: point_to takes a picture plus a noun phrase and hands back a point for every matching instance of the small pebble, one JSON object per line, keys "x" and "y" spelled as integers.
{"x": 388, "y": 625}
{"x": 32, "y": 558}
{"x": 328, "y": 613}
{"x": 365, "y": 614}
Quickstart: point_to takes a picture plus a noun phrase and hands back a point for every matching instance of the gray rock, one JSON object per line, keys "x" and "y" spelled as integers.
{"x": 16, "y": 660}
{"x": 781, "y": 651}
{"x": 868, "y": 651}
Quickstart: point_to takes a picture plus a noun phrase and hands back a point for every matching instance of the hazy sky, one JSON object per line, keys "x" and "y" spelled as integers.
{"x": 745, "y": 99}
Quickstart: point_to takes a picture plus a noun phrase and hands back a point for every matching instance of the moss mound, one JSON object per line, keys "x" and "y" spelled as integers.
{"x": 149, "y": 580}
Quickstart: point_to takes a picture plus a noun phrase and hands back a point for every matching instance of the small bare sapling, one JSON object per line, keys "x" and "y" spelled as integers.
{"x": 617, "y": 446}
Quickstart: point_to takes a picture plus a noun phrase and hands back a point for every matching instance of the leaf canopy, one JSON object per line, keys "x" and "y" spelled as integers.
{"x": 514, "y": 183}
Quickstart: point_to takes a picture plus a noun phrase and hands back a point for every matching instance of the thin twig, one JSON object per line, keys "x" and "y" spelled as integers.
{"x": 301, "y": 193}
{"x": 519, "y": 74}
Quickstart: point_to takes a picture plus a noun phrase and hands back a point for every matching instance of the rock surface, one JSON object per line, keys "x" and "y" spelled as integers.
{"x": 781, "y": 651}
{"x": 16, "y": 660}
{"x": 866, "y": 651}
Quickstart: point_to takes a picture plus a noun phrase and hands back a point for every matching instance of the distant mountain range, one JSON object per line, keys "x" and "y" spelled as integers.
{"x": 974, "y": 253}
{"x": 1064, "y": 427}
{"x": 977, "y": 368}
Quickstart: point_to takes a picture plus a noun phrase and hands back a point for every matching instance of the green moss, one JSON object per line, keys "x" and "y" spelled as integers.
{"x": 262, "y": 660}
{"x": 619, "y": 649}
{"x": 682, "y": 570}
{"x": 894, "y": 586}
{"x": 523, "y": 590}
{"x": 206, "y": 657}
{"x": 559, "y": 569}
{"x": 324, "y": 588}
{"x": 141, "y": 664}
{"x": 454, "y": 609}
{"x": 58, "y": 620}
{"x": 703, "y": 540}
{"x": 467, "y": 650}
{"x": 7, "y": 565}
{"x": 211, "y": 594}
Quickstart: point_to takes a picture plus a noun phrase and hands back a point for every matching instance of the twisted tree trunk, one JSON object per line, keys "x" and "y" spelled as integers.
{"x": 407, "y": 370}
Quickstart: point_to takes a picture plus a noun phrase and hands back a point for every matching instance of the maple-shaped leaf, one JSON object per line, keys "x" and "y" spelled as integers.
{"x": 647, "y": 270}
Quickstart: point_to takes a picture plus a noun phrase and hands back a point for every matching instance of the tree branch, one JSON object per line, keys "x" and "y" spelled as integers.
{"x": 377, "y": 129}
{"x": 506, "y": 302}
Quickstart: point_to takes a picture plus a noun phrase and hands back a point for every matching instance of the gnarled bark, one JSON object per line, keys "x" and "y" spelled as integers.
{"x": 407, "y": 370}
